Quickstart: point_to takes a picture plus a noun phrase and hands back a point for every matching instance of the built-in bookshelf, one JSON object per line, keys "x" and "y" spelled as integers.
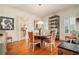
{"x": 54, "y": 24}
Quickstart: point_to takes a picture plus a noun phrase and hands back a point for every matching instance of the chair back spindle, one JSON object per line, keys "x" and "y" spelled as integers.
{"x": 53, "y": 36}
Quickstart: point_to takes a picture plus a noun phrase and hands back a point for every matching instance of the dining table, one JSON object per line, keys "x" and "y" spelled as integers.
{"x": 41, "y": 37}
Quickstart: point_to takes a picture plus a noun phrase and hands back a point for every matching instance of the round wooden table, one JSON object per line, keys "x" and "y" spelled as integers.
{"x": 41, "y": 37}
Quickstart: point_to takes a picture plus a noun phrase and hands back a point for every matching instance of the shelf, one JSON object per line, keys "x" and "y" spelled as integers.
{"x": 54, "y": 24}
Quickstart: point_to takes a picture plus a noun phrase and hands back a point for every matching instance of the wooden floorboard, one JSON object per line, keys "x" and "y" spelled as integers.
{"x": 19, "y": 48}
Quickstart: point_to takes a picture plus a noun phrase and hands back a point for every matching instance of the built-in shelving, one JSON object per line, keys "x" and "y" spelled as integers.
{"x": 54, "y": 24}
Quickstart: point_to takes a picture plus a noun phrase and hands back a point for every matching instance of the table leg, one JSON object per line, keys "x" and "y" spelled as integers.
{"x": 70, "y": 40}
{"x": 41, "y": 43}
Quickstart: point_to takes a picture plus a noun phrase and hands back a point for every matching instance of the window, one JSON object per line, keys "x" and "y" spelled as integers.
{"x": 70, "y": 24}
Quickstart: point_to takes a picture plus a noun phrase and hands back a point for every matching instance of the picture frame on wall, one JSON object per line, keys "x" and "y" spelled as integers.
{"x": 6, "y": 23}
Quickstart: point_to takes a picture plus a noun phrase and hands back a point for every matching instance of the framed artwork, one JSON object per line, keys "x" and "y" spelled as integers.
{"x": 6, "y": 23}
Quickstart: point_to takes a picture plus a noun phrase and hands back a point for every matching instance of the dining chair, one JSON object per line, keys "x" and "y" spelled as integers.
{"x": 10, "y": 43}
{"x": 71, "y": 38}
{"x": 51, "y": 41}
{"x": 33, "y": 41}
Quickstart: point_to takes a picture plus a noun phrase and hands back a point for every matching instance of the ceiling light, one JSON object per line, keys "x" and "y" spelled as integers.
{"x": 39, "y": 4}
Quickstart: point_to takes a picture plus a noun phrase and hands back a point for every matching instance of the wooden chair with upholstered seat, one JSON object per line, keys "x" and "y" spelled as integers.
{"x": 51, "y": 41}
{"x": 32, "y": 41}
{"x": 9, "y": 38}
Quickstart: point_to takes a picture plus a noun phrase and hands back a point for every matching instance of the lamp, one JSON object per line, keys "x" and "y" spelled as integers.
{"x": 40, "y": 24}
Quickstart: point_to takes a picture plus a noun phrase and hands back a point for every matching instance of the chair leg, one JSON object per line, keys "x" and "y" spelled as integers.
{"x": 51, "y": 47}
{"x": 44, "y": 44}
{"x": 33, "y": 48}
{"x": 40, "y": 44}
{"x": 70, "y": 40}
{"x": 28, "y": 45}
{"x": 54, "y": 44}
{"x": 11, "y": 42}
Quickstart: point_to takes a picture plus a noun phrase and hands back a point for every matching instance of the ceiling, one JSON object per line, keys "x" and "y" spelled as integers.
{"x": 41, "y": 9}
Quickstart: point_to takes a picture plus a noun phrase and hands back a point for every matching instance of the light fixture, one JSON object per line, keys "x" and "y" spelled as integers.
{"x": 39, "y": 4}
{"x": 40, "y": 22}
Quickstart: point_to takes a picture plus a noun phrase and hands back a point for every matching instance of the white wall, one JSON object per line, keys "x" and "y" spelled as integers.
{"x": 70, "y": 12}
{"x": 18, "y": 16}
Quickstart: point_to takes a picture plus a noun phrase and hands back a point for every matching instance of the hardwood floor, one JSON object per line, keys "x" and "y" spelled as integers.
{"x": 19, "y": 48}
